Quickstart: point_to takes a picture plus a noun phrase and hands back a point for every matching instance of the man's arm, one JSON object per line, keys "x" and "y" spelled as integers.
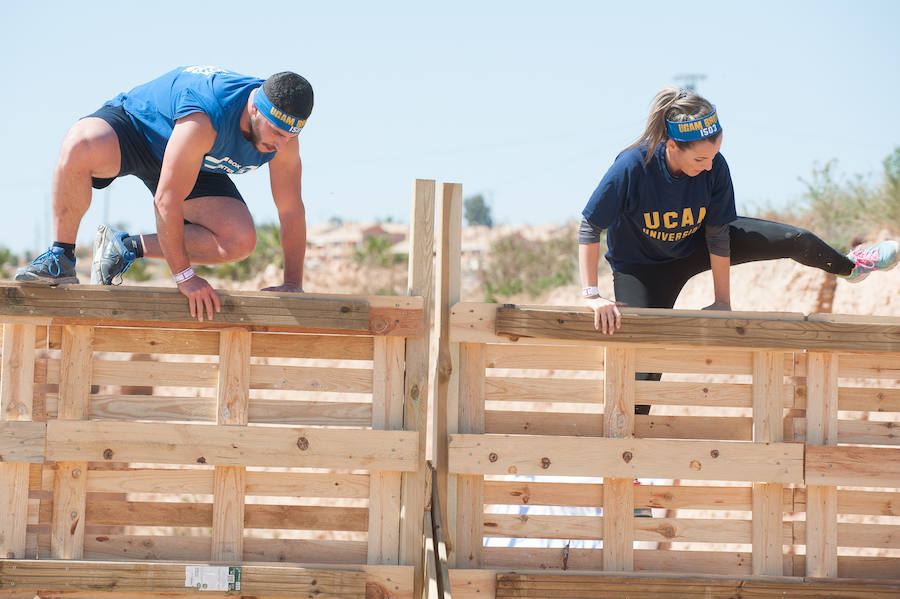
{"x": 285, "y": 171}
{"x": 192, "y": 137}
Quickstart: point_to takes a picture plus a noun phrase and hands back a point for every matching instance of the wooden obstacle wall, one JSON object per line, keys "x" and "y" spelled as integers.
{"x": 772, "y": 441}
{"x": 286, "y": 436}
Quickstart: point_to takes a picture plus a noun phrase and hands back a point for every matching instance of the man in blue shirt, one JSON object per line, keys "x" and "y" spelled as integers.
{"x": 182, "y": 134}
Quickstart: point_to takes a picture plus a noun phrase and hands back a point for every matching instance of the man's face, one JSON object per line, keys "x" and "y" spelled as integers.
{"x": 265, "y": 136}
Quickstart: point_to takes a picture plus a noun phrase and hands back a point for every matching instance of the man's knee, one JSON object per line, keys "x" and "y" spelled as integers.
{"x": 240, "y": 244}
{"x": 91, "y": 146}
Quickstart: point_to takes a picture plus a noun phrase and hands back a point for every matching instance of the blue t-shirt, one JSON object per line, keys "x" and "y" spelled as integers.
{"x": 221, "y": 95}
{"x": 653, "y": 217}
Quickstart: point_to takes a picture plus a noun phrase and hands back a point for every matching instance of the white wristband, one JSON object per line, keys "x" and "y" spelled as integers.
{"x": 590, "y": 291}
{"x": 184, "y": 275}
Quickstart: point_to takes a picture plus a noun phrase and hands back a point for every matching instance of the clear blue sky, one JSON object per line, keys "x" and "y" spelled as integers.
{"x": 526, "y": 102}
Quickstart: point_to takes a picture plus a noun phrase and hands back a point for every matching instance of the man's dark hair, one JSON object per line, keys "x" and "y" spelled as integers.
{"x": 290, "y": 93}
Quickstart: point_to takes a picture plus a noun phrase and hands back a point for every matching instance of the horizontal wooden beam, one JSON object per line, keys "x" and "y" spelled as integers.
{"x": 231, "y": 445}
{"x": 626, "y": 458}
{"x": 22, "y": 441}
{"x": 669, "y": 587}
{"x": 698, "y": 328}
{"x": 154, "y": 577}
{"x": 167, "y": 308}
{"x": 846, "y": 465}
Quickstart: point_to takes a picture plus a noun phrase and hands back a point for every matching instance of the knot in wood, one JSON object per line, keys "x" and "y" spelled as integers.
{"x": 714, "y": 453}
{"x": 303, "y": 443}
{"x": 107, "y": 454}
{"x": 414, "y": 393}
{"x": 492, "y": 457}
{"x": 545, "y": 463}
{"x": 344, "y": 310}
{"x": 201, "y": 460}
{"x": 627, "y": 456}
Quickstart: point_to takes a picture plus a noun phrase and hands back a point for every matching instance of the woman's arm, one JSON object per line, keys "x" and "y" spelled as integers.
{"x": 606, "y": 312}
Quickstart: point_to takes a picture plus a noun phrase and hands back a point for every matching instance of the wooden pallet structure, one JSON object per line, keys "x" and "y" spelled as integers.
{"x": 772, "y": 443}
{"x": 137, "y": 443}
{"x": 144, "y": 454}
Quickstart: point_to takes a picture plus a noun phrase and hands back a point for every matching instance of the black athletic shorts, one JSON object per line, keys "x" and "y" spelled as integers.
{"x": 138, "y": 160}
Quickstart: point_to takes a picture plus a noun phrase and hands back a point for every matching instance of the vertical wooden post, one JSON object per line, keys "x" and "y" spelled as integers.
{"x": 618, "y": 493}
{"x": 821, "y": 429}
{"x": 232, "y": 408}
{"x": 415, "y": 388}
{"x": 389, "y": 364}
{"x": 16, "y": 403}
{"x": 446, "y": 383}
{"x": 70, "y": 480}
{"x": 768, "y": 405}
{"x": 470, "y": 489}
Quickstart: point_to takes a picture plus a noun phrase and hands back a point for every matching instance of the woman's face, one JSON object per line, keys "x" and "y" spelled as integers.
{"x": 693, "y": 160}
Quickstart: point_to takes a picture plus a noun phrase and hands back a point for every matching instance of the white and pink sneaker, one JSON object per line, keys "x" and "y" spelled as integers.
{"x": 881, "y": 256}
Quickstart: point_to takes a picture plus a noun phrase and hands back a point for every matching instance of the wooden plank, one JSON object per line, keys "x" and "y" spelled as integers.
{"x": 300, "y": 378}
{"x": 649, "y": 458}
{"x": 853, "y": 466}
{"x": 320, "y": 347}
{"x": 98, "y": 305}
{"x": 822, "y": 429}
{"x": 469, "y": 489}
{"x": 732, "y": 563}
{"x": 645, "y": 529}
{"x": 867, "y": 365}
{"x": 386, "y": 414}
{"x": 535, "y": 389}
{"x": 232, "y": 409}
{"x": 420, "y": 282}
{"x": 14, "y": 478}
{"x": 618, "y": 492}
{"x": 143, "y": 407}
{"x": 69, "y": 496}
{"x": 17, "y": 372}
{"x": 473, "y": 584}
{"x": 148, "y": 341}
{"x": 872, "y": 536}
{"x": 659, "y": 496}
{"x": 856, "y": 432}
{"x": 447, "y": 277}
{"x": 591, "y": 425}
{"x": 543, "y": 357}
{"x": 22, "y": 442}
{"x": 692, "y": 328}
{"x": 223, "y": 446}
{"x": 310, "y": 413}
{"x": 768, "y": 407}
{"x": 99, "y": 577}
{"x": 69, "y": 488}
{"x": 667, "y": 587}
{"x": 180, "y": 481}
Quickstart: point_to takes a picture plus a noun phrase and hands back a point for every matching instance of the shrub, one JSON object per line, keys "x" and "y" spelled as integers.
{"x": 518, "y": 265}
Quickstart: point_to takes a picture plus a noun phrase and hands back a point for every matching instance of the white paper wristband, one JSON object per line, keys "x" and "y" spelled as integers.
{"x": 184, "y": 275}
{"x": 590, "y": 291}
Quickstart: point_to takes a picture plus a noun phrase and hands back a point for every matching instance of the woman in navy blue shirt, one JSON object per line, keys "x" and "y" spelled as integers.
{"x": 667, "y": 205}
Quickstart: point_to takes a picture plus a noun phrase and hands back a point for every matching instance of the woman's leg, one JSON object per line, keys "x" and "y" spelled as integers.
{"x": 754, "y": 239}
{"x": 651, "y": 286}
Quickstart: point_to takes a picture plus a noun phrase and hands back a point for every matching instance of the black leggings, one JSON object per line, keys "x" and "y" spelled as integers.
{"x": 752, "y": 240}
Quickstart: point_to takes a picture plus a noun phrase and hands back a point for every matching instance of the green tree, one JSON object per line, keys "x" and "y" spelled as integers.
{"x": 477, "y": 211}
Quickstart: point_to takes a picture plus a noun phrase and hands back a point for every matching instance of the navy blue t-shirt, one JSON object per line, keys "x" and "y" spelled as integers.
{"x": 652, "y": 217}
{"x": 220, "y": 94}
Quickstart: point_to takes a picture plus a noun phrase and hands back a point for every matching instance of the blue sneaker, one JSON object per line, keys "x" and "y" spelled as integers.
{"x": 111, "y": 257}
{"x": 51, "y": 268}
{"x": 881, "y": 256}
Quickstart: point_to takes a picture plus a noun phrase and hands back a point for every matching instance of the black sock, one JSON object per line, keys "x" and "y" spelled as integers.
{"x": 133, "y": 243}
{"x": 69, "y": 249}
